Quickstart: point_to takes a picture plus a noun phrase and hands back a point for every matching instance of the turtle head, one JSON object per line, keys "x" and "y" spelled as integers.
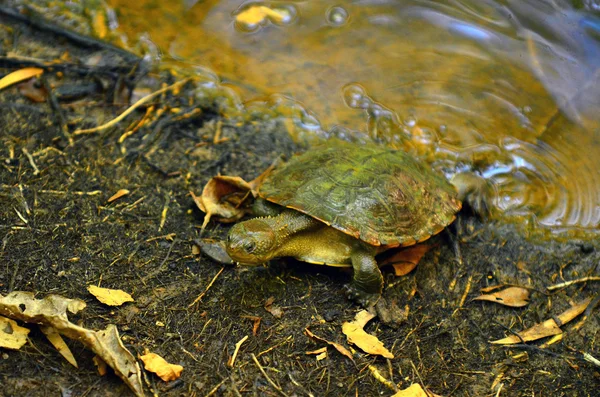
{"x": 251, "y": 242}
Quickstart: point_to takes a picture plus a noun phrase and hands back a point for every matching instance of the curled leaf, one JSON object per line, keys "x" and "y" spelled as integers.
{"x": 18, "y": 76}
{"x": 512, "y": 296}
{"x": 356, "y": 335}
{"x": 546, "y": 328}
{"x": 337, "y": 346}
{"x": 222, "y": 196}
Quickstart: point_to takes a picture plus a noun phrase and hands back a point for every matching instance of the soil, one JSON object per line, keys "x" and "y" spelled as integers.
{"x": 59, "y": 234}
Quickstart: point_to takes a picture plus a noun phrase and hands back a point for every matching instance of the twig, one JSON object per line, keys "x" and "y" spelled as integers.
{"x": 571, "y": 282}
{"x": 214, "y": 389}
{"x": 207, "y": 288}
{"x": 262, "y": 370}
{"x": 235, "y": 352}
{"x": 36, "y": 170}
{"x": 131, "y": 108}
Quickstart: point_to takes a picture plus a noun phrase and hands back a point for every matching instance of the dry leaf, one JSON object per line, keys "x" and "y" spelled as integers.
{"x": 12, "y": 336}
{"x": 18, "y": 76}
{"x": 166, "y": 371}
{"x": 118, "y": 195}
{"x": 414, "y": 390}
{"x": 222, "y": 196}
{"x": 52, "y": 311}
{"x": 318, "y": 351}
{"x": 405, "y": 260}
{"x": 111, "y": 297}
{"x": 337, "y": 346}
{"x": 100, "y": 365}
{"x": 512, "y": 296}
{"x": 547, "y": 328}
{"x": 257, "y": 14}
{"x": 31, "y": 90}
{"x": 356, "y": 335}
{"x": 59, "y": 344}
{"x": 276, "y": 311}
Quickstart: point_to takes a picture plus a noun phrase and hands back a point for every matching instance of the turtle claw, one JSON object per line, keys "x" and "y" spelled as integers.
{"x": 363, "y": 298}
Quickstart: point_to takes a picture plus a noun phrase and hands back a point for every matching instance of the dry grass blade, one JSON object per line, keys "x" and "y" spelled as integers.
{"x": 18, "y": 76}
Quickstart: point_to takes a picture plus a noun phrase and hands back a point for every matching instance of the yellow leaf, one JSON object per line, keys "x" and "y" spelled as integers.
{"x": 512, "y": 296}
{"x": 166, "y": 371}
{"x": 337, "y": 346}
{"x": 19, "y": 75}
{"x": 118, "y": 195}
{"x": 12, "y": 336}
{"x": 59, "y": 344}
{"x": 356, "y": 335}
{"x": 111, "y": 297}
{"x": 414, "y": 390}
{"x": 257, "y": 14}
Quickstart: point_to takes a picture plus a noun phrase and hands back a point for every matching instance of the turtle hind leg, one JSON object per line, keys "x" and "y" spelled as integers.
{"x": 367, "y": 282}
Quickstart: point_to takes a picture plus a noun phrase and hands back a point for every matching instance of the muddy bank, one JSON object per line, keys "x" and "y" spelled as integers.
{"x": 60, "y": 234}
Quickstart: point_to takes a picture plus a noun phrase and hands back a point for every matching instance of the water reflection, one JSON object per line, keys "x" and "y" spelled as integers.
{"x": 510, "y": 89}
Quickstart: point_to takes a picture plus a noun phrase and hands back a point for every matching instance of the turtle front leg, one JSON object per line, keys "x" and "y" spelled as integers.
{"x": 367, "y": 282}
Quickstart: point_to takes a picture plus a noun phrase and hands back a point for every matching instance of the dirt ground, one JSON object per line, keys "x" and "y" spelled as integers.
{"x": 59, "y": 234}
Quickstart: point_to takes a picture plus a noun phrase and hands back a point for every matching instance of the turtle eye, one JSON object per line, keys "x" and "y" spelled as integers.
{"x": 250, "y": 246}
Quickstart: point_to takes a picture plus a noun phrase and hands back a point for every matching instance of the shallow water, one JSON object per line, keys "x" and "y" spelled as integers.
{"x": 508, "y": 88}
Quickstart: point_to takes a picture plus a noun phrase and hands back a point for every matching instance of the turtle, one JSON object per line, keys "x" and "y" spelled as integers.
{"x": 341, "y": 204}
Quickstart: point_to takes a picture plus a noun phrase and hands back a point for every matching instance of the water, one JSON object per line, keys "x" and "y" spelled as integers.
{"x": 508, "y": 88}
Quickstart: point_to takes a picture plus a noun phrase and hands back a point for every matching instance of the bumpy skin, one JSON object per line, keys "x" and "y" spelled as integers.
{"x": 346, "y": 204}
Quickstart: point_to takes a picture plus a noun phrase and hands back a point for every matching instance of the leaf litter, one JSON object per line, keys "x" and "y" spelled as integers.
{"x": 52, "y": 311}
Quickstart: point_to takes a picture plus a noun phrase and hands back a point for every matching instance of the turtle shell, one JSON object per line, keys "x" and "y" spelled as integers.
{"x": 382, "y": 196}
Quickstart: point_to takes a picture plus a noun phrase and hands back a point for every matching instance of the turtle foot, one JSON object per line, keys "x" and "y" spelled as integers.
{"x": 363, "y": 298}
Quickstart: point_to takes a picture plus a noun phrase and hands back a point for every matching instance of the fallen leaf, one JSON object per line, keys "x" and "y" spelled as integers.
{"x": 166, "y": 371}
{"x": 214, "y": 249}
{"x": 512, "y": 296}
{"x": 32, "y": 90}
{"x": 546, "y": 328}
{"x": 357, "y": 336}
{"x": 59, "y": 344}
{"x": 18, "y": 76}
{"x": 100, "y": 365}
{"x": 110, "y": 297}
{"x": 120, "y": 193}
{"x": 318, "y": 351}
{"x": 414, "y": 390}
{"x": 52, "y": 311}
{"x": 222, "y": 197}
{"x": 337, "y": 346}
{"x": 257, "y": 14}
{"x": 405, "y": 260}
{"x": 276, "y": 311}
{"x": 12, "y": 336}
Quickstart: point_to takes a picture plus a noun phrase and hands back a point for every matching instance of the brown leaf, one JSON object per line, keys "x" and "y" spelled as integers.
{"x": 31, "y": 90}
{"x": 405, "y": 260}
{"x": 52, "y": 311}
{"x": 512, "y": 296}
{"x": 12, "y": 336}
{"x": 546, "y": 328}
{"x": 356, "y": 335}
{"x": 275, "y": 310}
{"x": 337, "y": 346}
{"x": 158, "y": 365}
{"x": 18, "y": 76}
{"x": 222, "y": 197}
